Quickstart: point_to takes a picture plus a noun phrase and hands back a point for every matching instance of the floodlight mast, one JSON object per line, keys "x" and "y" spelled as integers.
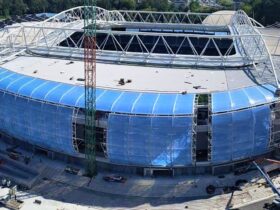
{"x": 90, "y": 85}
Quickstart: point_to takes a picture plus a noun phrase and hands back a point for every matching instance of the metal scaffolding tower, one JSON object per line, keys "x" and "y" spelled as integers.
{"x": 90, "y": 85}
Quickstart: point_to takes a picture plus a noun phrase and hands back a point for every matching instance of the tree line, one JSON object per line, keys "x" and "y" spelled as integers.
{"x": 20, "y": 7}
{"x": 264, "y": 11}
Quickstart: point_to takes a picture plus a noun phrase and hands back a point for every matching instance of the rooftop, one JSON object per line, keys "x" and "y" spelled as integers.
{"x": 147, "y": 62}
{"x": 158, "y": 52}
{"x": 143, "y": 78}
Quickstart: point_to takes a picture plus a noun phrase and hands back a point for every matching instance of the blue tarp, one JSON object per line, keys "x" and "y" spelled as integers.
{"x": 107, "y": 100}
{"x": 149, "y": 141}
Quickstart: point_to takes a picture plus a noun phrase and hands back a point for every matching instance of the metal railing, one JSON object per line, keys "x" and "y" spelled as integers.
{"x": 47, "y": 40}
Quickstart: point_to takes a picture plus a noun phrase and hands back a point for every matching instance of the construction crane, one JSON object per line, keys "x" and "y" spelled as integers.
{"x": 90, "y": 85}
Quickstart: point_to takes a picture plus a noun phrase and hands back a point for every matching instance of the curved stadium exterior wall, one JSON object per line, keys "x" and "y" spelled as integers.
{"x": 143, "y": 129}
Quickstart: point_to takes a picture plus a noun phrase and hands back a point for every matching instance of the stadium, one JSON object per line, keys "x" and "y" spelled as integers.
{"x": 180, "y": 92}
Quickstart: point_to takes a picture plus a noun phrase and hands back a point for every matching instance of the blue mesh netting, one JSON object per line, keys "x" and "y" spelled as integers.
{"x": 221, "y": 138}
{"x": 154, "y": 141}
{"x": 262, "y": 129}
{"x": 44, "y": 125}
{"x": 240, "y": 134}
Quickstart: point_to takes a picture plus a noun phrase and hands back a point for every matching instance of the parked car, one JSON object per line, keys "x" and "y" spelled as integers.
{"x": 114, "y": 178}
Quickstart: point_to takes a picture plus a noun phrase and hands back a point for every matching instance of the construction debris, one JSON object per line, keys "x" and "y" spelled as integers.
{"x": 14, "y": 204}
{"x": 122, "y": 81}
{"x": 38, "y": 202}
{"x": 10, "y": 199}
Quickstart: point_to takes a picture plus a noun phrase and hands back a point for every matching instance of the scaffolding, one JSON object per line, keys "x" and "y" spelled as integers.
{"x": 194, "y": 129}
{"x": 90, "y": 86}
{"x": 275, "y": 126}
{"x": 209, "y": 128}
{"x": 202, "y": 125}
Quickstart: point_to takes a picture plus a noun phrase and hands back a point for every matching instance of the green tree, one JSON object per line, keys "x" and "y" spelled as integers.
{"x": 106, "y": 4}
{"x": 227, "y": 4}
{"x": 195, "y": 6}
{"x": 268, "y": 12}
{"x": 159, "y": 5}
{"x": 37, "y": 6}
{"x": 247, "y": 8}
{"x": 162, "y": 5}
{"x": 127, "y": 4}
{"x": 17, "y": 7}
{"x": 264, "y": 11}
{"x": 4, "y": 8}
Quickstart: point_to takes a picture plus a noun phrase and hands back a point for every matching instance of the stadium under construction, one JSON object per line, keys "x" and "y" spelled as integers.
{"x": 183, "y": 92}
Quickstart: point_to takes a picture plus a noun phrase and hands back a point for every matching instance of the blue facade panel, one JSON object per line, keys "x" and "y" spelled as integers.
{"x": 72, "y": 96}
{"x": 6, "y": 78}
{"x": 168, "y": 100}
{"x": 221, "y": 102}
{"x": 181, "y": 141}
{"x": 29, "y": 87}
{"x": 40, "y": 124}
{"x": 262, "y": 129}
{"x": 222, "y": 138}
{"x": 239, "y": 99}
{"x": 42, "y": 91}
{"x": 184, "y": 104}
{"x": 16, "y": 86}
{"x": 55, "y": 95}
{"x": 149, "y": 141}
{"x": 255, "y": 95}
{"x": 2, "y": 71}
{"x": 106, "y": 100}
{"x": 124, "y": 102}
{"x": 145, "y": 103}
{"x": 117, "y": 138}
{"x": 241, "y": 134}
{"x": 242, "y": 98}
{"x": 161, "y": 141}
{"x": 138, "y": 141}
{"x": 6, "y": 83}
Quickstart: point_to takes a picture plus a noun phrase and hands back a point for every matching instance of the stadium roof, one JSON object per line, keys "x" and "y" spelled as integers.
{"x": 142, "y": 78}
{"x": 131, "y": 102}
{"x": 244, "y": 73}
